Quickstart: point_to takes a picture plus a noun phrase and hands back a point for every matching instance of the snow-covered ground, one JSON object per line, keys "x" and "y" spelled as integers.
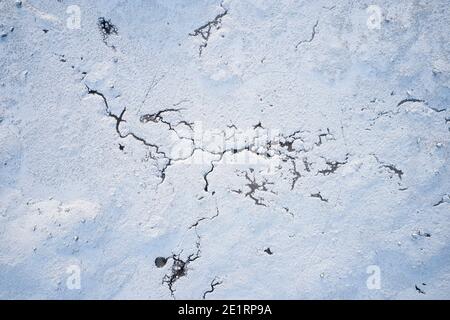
{"x": 238, "y": 149}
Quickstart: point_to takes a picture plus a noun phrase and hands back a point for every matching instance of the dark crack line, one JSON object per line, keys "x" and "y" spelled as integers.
{"x": 195, "y": 225}
{"x": 390, "y": 167}
{"x": 296, "y": 173}
{"x": 419, "y": 290}
{"x": 319, "y": 196}
{"x": 158, "y": 117}
{"x": 254, "y": 186}
{"x": 205, "y": 177}
{"x": 290, "y": 139}
{"x": 394, "y": 169}
{"x": 422, "y": 101}
{"x": 214, "y": 284}
{"x": 442, "y": 201}
{"x": 205, "y": 30}
{"x": 313, "y": 34}
{"x": 119, "y": 119}
{"x": 332, "y": 166}
{"x": 409, "y": 100}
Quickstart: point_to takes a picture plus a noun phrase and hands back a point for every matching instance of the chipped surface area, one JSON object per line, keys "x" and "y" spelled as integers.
{"x": 236, "y": 149}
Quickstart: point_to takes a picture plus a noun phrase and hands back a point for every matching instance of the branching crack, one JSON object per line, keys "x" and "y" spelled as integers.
{"x": 158, "y": 154}
{"x": 179, "y": 268}
{"x": 332, "y": 166}
{"x": 205, "y": 30}
{"x": 392, "y": 168}
{"x": 214, "y": 283}
{"x": 254, "y": 186}
{"x": 327, "y": 136}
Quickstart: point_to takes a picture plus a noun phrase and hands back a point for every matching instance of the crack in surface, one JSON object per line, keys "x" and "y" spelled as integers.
{"x": 205, "y": 30}
{"x": 444, "y": 199}
{"x": 332, "y": 166}
{"x": 319, "y": 196}
{"x": 195, "y": 225}
{"x": 283, "y": 141}
{"x": 392, "y": 168}
{"x": 214, "y": 283}
{"x": 119, "y": 119}
{"x": 313, "y": 34}
{"x": 254, "y": 186}
{"x": 409, "y": 100}
{"x": 422, "y": 101}
{"x": 419, "y": 290}
{"x": 179, "y": 268}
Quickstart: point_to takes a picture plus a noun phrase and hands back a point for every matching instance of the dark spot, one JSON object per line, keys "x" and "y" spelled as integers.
{"x": 45, "y": 30}
{"x": 121, "y": 147}
{"x": 268, "y": 251}
{"x": 419, "y": 290}
{"x": 160, "y": 262}
{"x": 106, "y": 27}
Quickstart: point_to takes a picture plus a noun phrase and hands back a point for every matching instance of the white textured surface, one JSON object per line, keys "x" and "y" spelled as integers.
{"x": 363, "y": 175}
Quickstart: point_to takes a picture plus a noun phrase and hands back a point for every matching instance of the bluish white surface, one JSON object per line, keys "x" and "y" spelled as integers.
{"x": 354, "y": 95}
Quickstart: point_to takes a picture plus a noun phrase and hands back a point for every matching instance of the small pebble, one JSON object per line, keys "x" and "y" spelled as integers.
{"x": 160, "y": 262}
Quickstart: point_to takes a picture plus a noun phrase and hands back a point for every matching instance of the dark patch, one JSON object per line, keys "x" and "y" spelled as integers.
{"x": 106, "y": 29}
{"x": 160, "y": 262}
{"x": 268, "y": 251}
{"x": 419, "y": 290}
{"x": 319, "y": 196}
{"x": 254, "y": 186}
{"x": 423, "y": 234}
{"x": 179, "y": 269}
{"x": 396, "y": 171}
{"x": 332, "y": 166}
